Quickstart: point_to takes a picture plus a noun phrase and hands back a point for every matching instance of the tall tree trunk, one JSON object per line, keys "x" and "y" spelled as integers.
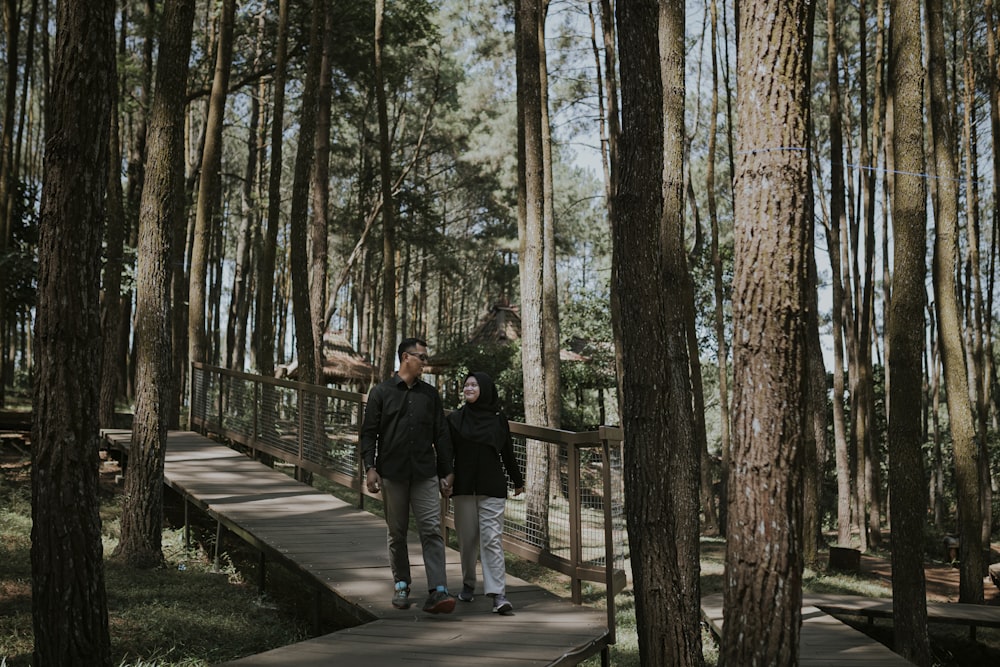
{"x": 387, "y": 349}
{"x": 945, "y": 265}
{"x": 69, "y": 602}
{"x": 162, "y": 205}
{"x": 814, "y": 436}
{"x": 834, "y": 244}
{"x": 531, "y": 223}
{"x": 264, "y": 334}
{"x": 550, "y": 281}
{"x": 718, "y": 286}
{"x": 239, "y": 304}
{"x": 319, "y": 224}
{"x": 648, "y": 279}
{"x": 112, "y": 353}
{"x": 866, "y": 313}
{"x": 8, "y": 189}
{"x": 906, "y": 480}
{"x": 208, "y": 186}
{"x": 763, "y": 590}
{"x": 975, "y": 327}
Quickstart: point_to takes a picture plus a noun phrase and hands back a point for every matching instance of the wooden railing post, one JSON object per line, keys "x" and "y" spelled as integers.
{"x": 609, "y": 546}
{"x": 575, "y": 519}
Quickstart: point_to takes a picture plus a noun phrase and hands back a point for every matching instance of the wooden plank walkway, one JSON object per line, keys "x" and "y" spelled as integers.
{"x": 344, "y": 550}
{"x": 951, "y": 613}
{"x": 824, "y": 642}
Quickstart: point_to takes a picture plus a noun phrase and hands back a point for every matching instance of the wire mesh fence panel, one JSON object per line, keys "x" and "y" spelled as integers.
{"x": 279, "y": 419}
{"x": 572, "y": 508}
{"x": 340, "y": 446}
{"x": 239, "y": 407}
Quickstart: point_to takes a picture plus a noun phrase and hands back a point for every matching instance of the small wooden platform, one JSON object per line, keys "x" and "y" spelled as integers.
{"x": 824, "y": 641}
{"x": 343, "y": 549}
{"x": 951, "y": 613}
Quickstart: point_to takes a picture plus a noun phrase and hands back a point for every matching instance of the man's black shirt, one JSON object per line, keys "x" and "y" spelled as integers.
{"x": 404, "y": 434}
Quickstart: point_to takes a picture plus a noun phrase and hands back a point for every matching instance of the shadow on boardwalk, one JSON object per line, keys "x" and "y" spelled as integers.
{"x": 343, "y": 549}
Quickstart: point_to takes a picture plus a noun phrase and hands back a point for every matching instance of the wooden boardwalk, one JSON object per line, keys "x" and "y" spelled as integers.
{"x": 950, "y": 613}
{"x": 824, "y": 642}
{"x": 344, "y": 550}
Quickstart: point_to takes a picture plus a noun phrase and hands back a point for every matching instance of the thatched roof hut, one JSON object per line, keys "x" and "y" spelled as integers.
{"x": 342, "y": 364}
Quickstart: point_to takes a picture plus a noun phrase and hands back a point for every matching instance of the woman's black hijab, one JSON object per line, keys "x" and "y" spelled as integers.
{"x": 480, "y": 422}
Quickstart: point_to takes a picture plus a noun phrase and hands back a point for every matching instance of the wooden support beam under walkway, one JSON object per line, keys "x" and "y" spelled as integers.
{"x": 343, "y": 549}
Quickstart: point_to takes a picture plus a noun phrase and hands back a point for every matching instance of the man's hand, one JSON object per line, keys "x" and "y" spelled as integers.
{"x": 373, "y": 481}
{"x": 445, "y": 484}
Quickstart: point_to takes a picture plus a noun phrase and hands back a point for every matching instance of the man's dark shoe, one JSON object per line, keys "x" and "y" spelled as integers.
{"x": 401, "y": 596}
{"x": 439, "y": 602}
{"x": 467, "y": 594}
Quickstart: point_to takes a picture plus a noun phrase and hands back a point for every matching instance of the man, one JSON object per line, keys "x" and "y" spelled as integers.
{"x": 407, "y": 455}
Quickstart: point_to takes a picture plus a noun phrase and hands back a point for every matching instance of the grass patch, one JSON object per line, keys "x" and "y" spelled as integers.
{"x": 187, "y": 614}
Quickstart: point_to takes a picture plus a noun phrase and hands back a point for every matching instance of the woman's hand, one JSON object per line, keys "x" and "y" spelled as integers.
{"x": 445, "y": 483}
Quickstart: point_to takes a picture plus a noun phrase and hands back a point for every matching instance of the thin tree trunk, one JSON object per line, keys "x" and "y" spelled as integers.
{"x": 531, "y": 224}
{"x": 208, "y": 186}
{"x": 386, "y": 358}
{"x": 264, "y": 335}
{"x": 834, "y": 245}
{"x": 112, "y": 355}
{"x": 906, "y": 482}
{"x": 718, "y": 287}
{"x": 963, "y": 432}
{"x": 319, "y": 224}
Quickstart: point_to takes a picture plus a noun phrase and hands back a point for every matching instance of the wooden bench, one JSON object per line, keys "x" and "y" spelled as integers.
{"x": 951, "y": 613}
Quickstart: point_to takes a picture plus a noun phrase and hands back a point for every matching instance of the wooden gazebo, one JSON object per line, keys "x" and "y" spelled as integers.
{"x": 342, "y": 364}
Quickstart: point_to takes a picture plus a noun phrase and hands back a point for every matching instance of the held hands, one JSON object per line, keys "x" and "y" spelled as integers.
{"x": 445, "y": 484}
{"x": 373, "y": 481}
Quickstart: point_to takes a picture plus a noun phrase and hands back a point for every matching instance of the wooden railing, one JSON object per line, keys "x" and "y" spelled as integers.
{"x": 578, "y": 528}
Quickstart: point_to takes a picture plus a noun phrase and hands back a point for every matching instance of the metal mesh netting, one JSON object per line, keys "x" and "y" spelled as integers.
{"x": 320, "y": 426}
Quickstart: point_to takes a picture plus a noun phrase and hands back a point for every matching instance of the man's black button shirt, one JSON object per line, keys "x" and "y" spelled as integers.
{"x": 404, "y": 434}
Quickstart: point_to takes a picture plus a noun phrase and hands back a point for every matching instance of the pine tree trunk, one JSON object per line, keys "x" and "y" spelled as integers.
{"x": 531, "y": 223}
{"x": 763, "y": 589}
{"x": 162, "y": 205}
{"x": 946, "y": 264}
{"x": 906, "y": 483}
{"x": 649, "y": 280}
{"x": 69, "y": 603}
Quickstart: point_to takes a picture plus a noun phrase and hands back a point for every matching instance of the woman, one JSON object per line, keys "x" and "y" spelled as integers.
{"x": 483, "y": 450}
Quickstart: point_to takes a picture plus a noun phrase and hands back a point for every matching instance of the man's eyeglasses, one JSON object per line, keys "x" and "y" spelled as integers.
{"x": 422, "y": 356}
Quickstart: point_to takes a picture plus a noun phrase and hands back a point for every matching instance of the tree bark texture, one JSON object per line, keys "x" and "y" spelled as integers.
{"x": 906, "y": 338}
{"x": 162, "y": 204}
{"x": 387, "y": 353}
{"x": 208, "y": 186}
{"x": 945, "y": 266}
{"x": 69, "y": 603}
{"x": 648, "y": 277}
{"x": 530, "y": 232}
{"x": 264, "y": 332}
{"x": 763, "y": 581}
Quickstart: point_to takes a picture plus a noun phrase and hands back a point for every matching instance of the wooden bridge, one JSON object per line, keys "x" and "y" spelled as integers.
{"x": 343, "y": 549}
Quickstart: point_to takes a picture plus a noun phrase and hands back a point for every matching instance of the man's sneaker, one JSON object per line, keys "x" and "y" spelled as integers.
{"x": 401, "y": 596}
{"x": 467, "y": 594}
{"x": 439, "y": 602}
{"x": 501, "y": 605}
